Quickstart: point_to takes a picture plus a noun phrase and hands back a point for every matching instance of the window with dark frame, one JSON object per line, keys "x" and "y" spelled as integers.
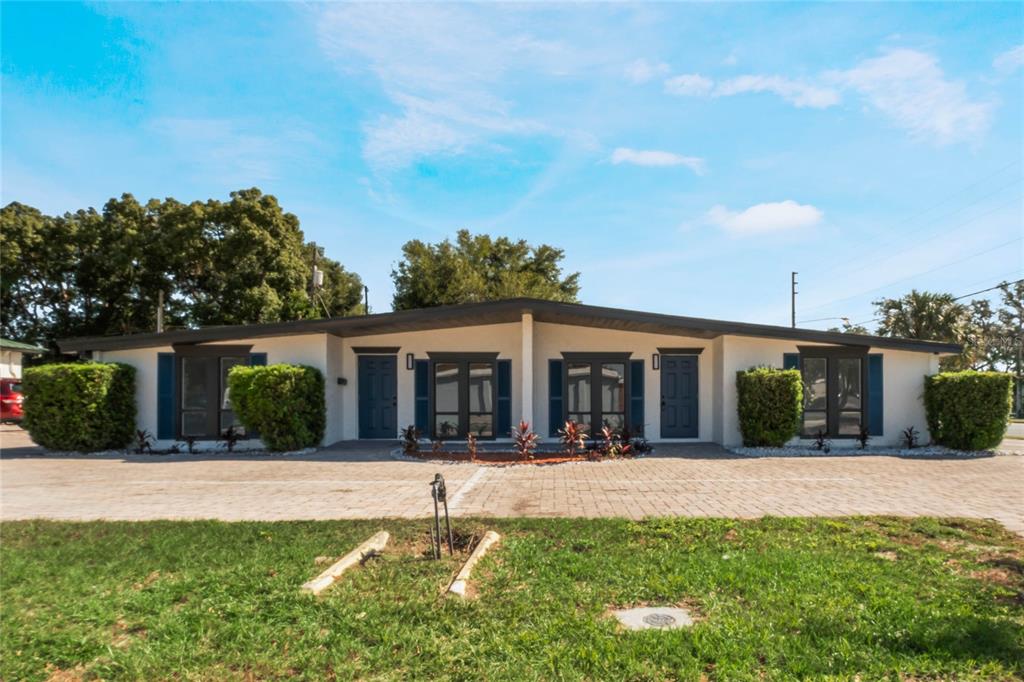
{"x": 204, "y": 406}
{"x": 835, "y": 391}
{"x": 596, "y": 390}
{"x": 465, "y": 394}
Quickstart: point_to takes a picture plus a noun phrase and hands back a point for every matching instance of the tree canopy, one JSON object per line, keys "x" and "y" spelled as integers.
{"x": 991, "y": 338}
{"x": 218, "y": 262}
{"x": 479, "y": 268}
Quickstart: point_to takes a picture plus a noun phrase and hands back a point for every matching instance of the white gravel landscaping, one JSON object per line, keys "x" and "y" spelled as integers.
{"x": 870, "y": 451}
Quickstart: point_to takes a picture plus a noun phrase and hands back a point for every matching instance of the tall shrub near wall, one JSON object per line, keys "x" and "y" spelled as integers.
{"x": 770, "y": 404}
{"x": 80, "y": 406}
{"x": 284, "y": 404}
{"x": 968, "y": 410}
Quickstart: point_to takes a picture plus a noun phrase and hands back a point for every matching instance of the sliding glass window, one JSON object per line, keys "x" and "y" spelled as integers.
{"x": 835, "y": 380}
{"x": 204, "y": 406}
{"x": 465, "y": 394}
{"x": 596, "y": 390}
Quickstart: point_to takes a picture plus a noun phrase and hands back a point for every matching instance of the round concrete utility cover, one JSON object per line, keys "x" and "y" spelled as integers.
{"x": 654, "y": 618}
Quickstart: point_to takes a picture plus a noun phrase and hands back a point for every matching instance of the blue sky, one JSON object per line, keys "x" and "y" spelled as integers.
{"x": 686, "y": 157}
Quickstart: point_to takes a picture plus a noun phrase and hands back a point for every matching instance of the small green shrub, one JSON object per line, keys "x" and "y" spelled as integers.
{"x": 84, "y": 407}
{"x": 284, "y": 404}
{"x": 770, "y": 404}
{"x": 968, "y": 410}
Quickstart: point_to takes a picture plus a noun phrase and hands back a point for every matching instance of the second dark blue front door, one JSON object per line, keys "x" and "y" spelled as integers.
{"x": 378, "y": 396}
{"x": 679, "y": 396}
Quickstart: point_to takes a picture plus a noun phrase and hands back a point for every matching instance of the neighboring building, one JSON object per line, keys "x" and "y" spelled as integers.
{"x": 485, "y": 366}
{"x": 11, "y": 356}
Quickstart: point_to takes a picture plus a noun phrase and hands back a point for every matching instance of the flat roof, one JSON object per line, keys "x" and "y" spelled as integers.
{"x": 496, "y": 312}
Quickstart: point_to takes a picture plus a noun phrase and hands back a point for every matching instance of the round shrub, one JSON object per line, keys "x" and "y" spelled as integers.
{"x": 968, "y": 410}
{"x": 283, "y": 404}
{"x": 770, "y": 404}
{"x": 83, "y": 407}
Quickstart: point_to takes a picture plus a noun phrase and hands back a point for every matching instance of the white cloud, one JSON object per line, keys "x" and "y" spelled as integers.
{"x": 692, "y": 84}
{"x": 442, "y": 66}
{"x": 798, "y": 93}
{"x": 909, "y": 87}
{"x": 653, "y": 157}
{"x": 905, "y": 85}
{"x": 765, "y": 218}
{"x": 1009, "y": 61}
{"x": 641, "y": 71}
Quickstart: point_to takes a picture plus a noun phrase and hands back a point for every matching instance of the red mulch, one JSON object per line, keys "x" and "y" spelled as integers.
{"x": 500, "y": 457}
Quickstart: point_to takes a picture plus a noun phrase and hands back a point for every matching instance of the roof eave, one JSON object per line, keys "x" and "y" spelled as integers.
{"x": 495, "y": 312}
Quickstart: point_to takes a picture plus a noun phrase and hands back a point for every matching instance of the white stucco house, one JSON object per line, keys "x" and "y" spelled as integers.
{"x": 12, "y": 354}
{"x": 482, "y": 367}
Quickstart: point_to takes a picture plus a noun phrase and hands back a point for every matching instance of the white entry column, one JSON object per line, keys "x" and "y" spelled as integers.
{"x": 527, "y": 365}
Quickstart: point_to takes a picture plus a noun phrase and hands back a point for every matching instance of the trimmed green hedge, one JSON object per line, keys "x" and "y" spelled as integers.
{"x": 283, "y": 404}
{"x": 968, "y": 410}
{"x": 770, "y": 404}
{"x": 84, "y": 407}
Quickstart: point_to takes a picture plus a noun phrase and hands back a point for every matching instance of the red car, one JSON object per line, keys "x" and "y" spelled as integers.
{"x": 10, "y": 400}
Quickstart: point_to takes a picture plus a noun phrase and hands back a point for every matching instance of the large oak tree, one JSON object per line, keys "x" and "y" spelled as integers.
{"x": 218, "y": 262}
{"x": 479, "y": 268}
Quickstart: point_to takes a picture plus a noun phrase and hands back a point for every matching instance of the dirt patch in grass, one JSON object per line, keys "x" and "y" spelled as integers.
{"x": 56, "y": 674}
{"x": 149, "y": 580}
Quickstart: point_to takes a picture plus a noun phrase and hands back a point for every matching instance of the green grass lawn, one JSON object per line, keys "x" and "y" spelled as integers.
{"x": 777, "y": 599}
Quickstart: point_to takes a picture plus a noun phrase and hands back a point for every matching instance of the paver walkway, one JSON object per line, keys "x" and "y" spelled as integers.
{"x": 361, "y": 481}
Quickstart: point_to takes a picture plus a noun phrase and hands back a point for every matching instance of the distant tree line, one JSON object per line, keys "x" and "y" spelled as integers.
{"x": 217, "y": 262}
{"x": 239, "y": 261}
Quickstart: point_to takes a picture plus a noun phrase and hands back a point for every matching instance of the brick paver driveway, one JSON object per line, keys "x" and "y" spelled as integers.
{"x": 360, "y": 481}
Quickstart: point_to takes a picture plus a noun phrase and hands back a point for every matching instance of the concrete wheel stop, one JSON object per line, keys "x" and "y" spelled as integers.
{"x": 654, "y": 618}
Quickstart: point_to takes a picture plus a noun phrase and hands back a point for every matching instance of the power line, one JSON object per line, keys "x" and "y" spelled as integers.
{"x": 926, "y": 272}
{"x": 904, "y": 235}
{"x": 1002, "y": 277}
{"x": 837, "y": 300}
{"x": 973, "y": 293}
{"x": 914, "y": 216}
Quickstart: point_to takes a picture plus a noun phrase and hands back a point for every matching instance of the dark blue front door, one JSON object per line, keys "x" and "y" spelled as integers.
{"x": 679, "y": 396}
{"x": 378, "y": 396}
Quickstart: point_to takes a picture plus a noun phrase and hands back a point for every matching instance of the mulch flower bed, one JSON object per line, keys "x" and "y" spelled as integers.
{"x": 484, "y": 457}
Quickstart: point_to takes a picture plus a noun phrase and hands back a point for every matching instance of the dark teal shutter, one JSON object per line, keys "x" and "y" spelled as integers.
{"x": 165, "y": 396}
{"x": 422, "y": 396}
{"x": 504, "y": 398}
{"x": 636, "y": 396}
{"x": 554, "y": 396}
{"x": 875, "y": 391}
{"x": 790, "y": 361}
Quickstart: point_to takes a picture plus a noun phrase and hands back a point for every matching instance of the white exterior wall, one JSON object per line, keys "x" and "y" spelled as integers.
{"x": 717, "y": 366}
{"x": 10, "y": 364}
{"x": 902, "y": 386}
{"x": 504, "y": 339}
{"x": 551, "y": 340}
{"x": 308, "y": 349}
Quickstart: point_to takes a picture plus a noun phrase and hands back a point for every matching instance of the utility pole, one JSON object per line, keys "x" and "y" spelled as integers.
{"x": 792, "y": 300}
{"x": 160, "y": 313}
{"x": 312, "y": 281}
{"x": 366, "y": 300}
